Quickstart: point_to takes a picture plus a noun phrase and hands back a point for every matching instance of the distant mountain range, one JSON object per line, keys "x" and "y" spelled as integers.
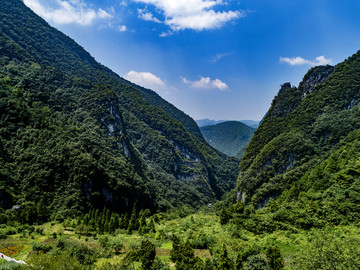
{"x": 209, "y": 122}
{"x": 229, "y": 137}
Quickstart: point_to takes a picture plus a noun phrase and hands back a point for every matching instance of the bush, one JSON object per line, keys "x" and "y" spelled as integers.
{"x": 39, "y": 247}
{"x": 117, "y": 246}
{"x": 256, "y": 262}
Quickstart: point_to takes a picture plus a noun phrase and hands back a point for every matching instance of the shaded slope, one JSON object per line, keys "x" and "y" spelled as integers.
{"x": 131, "y": 150}
{"x": 307, "y": 129}
{"x": 49, "y": 46}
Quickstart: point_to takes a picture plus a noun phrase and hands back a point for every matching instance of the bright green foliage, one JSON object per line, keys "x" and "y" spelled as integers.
{"x": 53, "y": 262}
{"x": 117, "y": 245}
{"x": 329, "y": 252}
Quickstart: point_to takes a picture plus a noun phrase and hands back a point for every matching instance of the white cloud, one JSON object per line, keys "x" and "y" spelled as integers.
{"x": 145, "y": 79}
{"x": 207, "y": 83}
{"x": 66, "y": 12}
{"x": 219, "y": 56}
{"x": 147, "y": 16}
{"x": 297, "y": 61}
{"x": 193, "y": 14}
{"x": 122, "y": 28}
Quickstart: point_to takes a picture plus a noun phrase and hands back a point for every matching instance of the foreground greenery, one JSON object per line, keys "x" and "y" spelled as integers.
{"x": 195, "y": 241}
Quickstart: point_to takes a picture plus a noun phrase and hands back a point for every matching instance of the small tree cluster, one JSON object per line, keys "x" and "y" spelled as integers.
{"x": 107, "y": 222}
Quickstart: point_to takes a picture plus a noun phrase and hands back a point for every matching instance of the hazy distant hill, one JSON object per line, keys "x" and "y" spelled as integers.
{"x": 208, "y": 122}
{"x": 230, "y": 137}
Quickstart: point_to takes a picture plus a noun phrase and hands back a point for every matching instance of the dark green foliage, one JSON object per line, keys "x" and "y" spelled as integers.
{"x": 75, "y": 136}
{"x": 134, "y": 220}
{"x": 274, "y": 258}
{"x": 301, "y": 166}
{"x": 224, "y": 261}
{"x": 230, "y": 137}
{"x": 256, "y": 262}
{"x": 38, "y": 247}
{"x": 147, "y": 254}
{"x": 224, "y": 216}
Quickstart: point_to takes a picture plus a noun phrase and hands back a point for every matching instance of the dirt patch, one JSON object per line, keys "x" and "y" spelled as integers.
{"x": 202, "y": 253}
{"x": 162, "y": 252}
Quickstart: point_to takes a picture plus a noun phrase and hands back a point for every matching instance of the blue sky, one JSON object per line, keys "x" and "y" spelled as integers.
{"x": 217, "y": 59}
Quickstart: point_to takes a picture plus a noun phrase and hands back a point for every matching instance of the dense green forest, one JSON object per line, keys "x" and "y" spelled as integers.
{"x": 229, "y": 137}
{"x": 98, "y": 173}
{"x": 73, "y": 131}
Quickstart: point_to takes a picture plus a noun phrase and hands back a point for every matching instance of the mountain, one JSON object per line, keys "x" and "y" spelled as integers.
{"x": 251, "y": 123}
{"x": 208, "y": 122}
{"x": 74, "y": 135}
{"x": 230, "y": 137}
{"x": 302, "y": 166}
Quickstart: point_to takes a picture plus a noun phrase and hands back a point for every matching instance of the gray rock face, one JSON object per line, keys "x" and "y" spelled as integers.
{"x": 315, "y": 76}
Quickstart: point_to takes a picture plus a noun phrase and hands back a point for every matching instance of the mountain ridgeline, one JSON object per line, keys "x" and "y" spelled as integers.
{"x": 302, "y": 165}
{"x": 229, "y": 137}
{"x": 74, "y": 135}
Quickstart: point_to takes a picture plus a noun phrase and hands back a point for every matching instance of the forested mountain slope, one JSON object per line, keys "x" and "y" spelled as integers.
{"x": 303, "y": 161}
{"x": 75, "y": 135}
{"x": 229, "y": 137}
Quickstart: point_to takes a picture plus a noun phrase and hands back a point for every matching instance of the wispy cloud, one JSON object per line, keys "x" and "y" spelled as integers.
{"x": 122, "y": 28}
{"x": 193, "y": 14}
{"x": 145, "y": 79}
{"x": 297, "y": 61}
{"x": 207, "y": 83}
{"x": 147, "y": 16}
{"x": 218, "y": 57}
{"x": 67, "y": 11}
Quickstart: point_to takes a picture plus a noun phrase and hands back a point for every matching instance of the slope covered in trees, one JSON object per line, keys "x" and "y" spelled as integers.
{"x": 230, "y": 137}
{"x": 75, "y": 135}
{"x": 301, "y": 167}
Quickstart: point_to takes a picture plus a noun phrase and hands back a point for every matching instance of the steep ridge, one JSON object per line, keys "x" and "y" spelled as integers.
{"x": 15, "y": 21}
{"x": 74, "y": 131}
{"x": 229, "y": 137}
{"x": 302, "y": 163}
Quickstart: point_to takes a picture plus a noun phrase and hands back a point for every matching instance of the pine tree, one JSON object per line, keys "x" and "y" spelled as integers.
{"x": 134, "y": 220}
{"x": 143, "y": 226}
{"x": 151, "y": 226}
{"x": 147, "y": 254}
{"x": 42, "y": 212}
{"x": 125, "y": 221}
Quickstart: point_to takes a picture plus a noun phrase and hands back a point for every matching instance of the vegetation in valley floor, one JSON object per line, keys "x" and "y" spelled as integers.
{"x": 180, "y": 240}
